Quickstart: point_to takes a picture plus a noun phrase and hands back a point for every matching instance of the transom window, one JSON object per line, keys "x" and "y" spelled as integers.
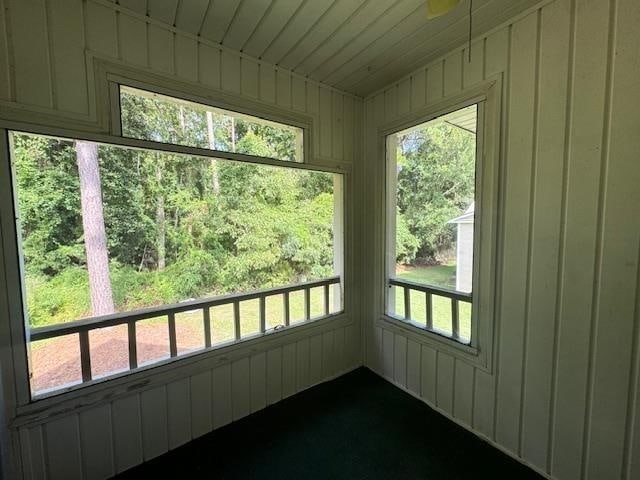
{"x": 135, "y": 256}
{"x": 151, "y": 116}
{"x": 431, "y": 222}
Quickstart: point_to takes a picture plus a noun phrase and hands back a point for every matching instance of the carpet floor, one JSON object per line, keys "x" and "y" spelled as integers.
{"x": 355, "y": 427}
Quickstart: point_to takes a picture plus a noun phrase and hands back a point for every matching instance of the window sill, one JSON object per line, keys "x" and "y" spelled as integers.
{"x": 468, "y": 353}
{"x": 121, "y": 384}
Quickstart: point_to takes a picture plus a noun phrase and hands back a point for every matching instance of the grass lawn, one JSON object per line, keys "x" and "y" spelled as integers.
{"x": 439, "y": 275}
{"x": 190, "y": 323}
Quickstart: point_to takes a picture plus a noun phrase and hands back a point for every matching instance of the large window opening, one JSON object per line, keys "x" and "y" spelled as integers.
{"x": 134, "y": 256}
{"x": 431, "y": 219}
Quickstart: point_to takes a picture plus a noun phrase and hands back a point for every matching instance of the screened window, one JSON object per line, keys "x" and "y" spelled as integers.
{"x": 151, "y": 116}
{"x": 134, "y": 256}
{"x": 431, "y": 219}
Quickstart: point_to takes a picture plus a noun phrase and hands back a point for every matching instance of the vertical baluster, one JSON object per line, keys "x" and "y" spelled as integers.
{"x": 455, "y": 321}
{"x": 263, "y": 316}
{"x": 206, "y": 318}
{"x": 326, "y": 299}
{"x": 133, "y": 347}
{"x": 173, "y": 344}
{"x": 307, "y": 303}
{"x": 407, "y": 303}
{"x": 236, "y": 320}
{"x": 85, "y": 355}
{"x": 429, "y": 307}
{"x": 287, "y": 314}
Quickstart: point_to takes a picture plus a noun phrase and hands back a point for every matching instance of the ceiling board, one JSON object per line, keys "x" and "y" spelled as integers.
{"x": 163, "y": 10}
{"x": 355, "y": 45}
{"x": 298, "y": 25}
{"x": 272, "y": 23}
{"x": 218, "y": 18}
{"x": 246, "y": 19}
{"x": 336, "y": 17}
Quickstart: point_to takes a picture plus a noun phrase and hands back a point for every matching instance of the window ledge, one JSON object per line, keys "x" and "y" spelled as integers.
{"x": 116, "y": 386}
{"x": 467, "y": 353}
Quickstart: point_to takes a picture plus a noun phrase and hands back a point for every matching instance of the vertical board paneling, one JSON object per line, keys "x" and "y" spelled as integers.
{"x": 274, "y": 375}
{"x": 68, "y": 462}
{"x": 413, "y": 367}
{"x": 127, "y": 432}
{"x": 186, "y": 58}
{"x": 267, "y": 83}
{"x": 250, "y": 78}
{"x": 153, "y": 411}
{"x": 222, "y": 400}
{"x": 96, "y": 442}
{"x": 619, "y": 246}
{"x": 586, "y": 126}
{"x": 445, "y": 380}
{"x": 337, "y": 122}
{"x": 302, "y": 364}
{"x": 101, "y": 29}
{"x": 328, "y": 358}
{"x": 51, "y": 71}
{"x": 339, "y": 351}
{"x": 179, "y": 412}
{"x": 463, "y": 388}
{"x": 545, "y": 224}
{"x": 67, "y": 43}
{"x": 283, "y": 88}
{"x": 562, "y": 393}
{"x": 400, "y": 360}
{"x": 32, "y": 70}
{"x": 258, "y": 381}
{"x": 133, "y": 40}
{"x": 201, "y": 404}
{"x": 453, "y": 74}
{"x": 315, "y": 359}
{"x": 516, "y": 227}
{"x": 5, "y": 77}
{"x": 209, "y": 65}
{"x": 473, "y": 69}
{"x": 161, "y": 53}
{"x": 325, "y": 122}
{"x": 240, "y": 388}
{"x": 387, "y": 353}
{"x": 349, "y": 130}
{"x": 33, "y": 454}
{"x": 418, "y": 89}
{"x": 435, "y": 85}
{"x": 298, "y": 94}
{"x": 289, "y": 370}
{"x": 404, "y": 96}
{"x": 230, "y": 70}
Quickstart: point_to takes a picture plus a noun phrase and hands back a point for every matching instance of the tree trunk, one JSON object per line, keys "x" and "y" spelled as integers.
{"x": 215, "y": 181}
{"x": 95, "y": 238}
{"x": 160, "y": 216}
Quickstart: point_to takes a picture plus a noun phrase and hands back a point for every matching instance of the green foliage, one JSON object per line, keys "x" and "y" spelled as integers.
{"x": 435, "y": 184}
{"x": 264, "y": 226}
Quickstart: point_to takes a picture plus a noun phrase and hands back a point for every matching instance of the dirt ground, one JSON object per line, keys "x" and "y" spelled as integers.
{"x": 56, "y": 362}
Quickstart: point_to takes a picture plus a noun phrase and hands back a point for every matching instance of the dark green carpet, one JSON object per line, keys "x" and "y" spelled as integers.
{"x": 356, "y": 427}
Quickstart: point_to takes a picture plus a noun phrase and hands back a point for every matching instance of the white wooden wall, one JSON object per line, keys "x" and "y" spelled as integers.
{"x": 43, "y": 66}
{"x": 45, "y": 78}
{"x": 107, "y": 438}
{"x": 563, "y": 394}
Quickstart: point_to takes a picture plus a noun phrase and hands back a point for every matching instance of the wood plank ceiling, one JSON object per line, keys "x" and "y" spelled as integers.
{"x": 355, "y": 45}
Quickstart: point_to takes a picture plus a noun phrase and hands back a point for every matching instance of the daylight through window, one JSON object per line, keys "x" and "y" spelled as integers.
{"x": 431, "y": 219}
{"x": 134, "y": 256}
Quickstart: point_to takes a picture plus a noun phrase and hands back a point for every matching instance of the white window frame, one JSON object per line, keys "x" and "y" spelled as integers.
{"x": 488, "y": 97}
{"x": 27, "y": 408}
